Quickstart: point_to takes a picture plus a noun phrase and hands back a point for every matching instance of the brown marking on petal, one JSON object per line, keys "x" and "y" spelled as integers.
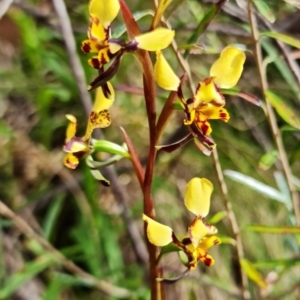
{"x": 207, "y": 81}
{"x": 86, "y": 48}
{"x": 207, "y": 261}
{"x": 216, "y": 242}
{"x": 101, "y": 119}
{"x": 95, "y": 63}
{"x": 223, "y": 115}
{"x": 93, "y": 117}
{"x": 204, "y": 127}
{"x": 197, "y": 88}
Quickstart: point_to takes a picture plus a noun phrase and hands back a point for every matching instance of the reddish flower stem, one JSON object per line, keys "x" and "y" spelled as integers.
{"x": 157, "y": 290}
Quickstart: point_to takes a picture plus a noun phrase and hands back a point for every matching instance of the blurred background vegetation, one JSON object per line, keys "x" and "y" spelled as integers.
{"x": 100, "y": 228}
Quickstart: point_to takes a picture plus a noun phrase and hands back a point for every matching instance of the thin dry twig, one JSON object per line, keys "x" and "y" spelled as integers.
{"x": 270, "y": 114}
{"x": 102, "y": 285}
{"x": 233, "y": 221}
{"x": 109, "y": 172}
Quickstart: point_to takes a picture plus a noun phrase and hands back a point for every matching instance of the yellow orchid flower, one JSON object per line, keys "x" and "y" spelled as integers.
{"x": 102, "y": 13}
{"x": 77, "y": 147}
{"x": 207, "y": 102}
{"x": 201, "y": 236}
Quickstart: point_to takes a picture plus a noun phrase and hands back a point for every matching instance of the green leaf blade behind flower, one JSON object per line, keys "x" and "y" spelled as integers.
{"x": 258, "y": 186}
{"x": 283, "y": 38}
{"x": 268, "y": 160}
{"x": 272, "y": 229}
{"x": 264, "y": 10}
{"x": 252, "y": 273}
{"x": 204, "y": 23}
{"x": 283, "y": 109}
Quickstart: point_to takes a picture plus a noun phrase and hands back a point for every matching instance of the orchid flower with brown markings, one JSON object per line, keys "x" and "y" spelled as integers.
{"x": 77, "y": 147}
{"x": 207, "y": 102}
{"x": 200, "y": 235}
{"x": 107, "y": 48}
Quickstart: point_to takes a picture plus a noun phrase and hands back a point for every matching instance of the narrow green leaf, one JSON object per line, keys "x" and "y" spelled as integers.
{"x": 258, "y": 186}
{"x": 109, "y": 147}
{"x": 274, "y": 56}
{"x": 282, "y": 108}
{"x": 214, "y": 10}
{"x": 282, "y": 37}
{"x": 264, "y": 10}
{"x": 270, "y": 229}
{"x": 26, "y": 273}
{"x": 275, "y": 263}
{"x": 49, "y": 220}
{"x": 268, "y": 160}
{"x": 252, "y": 273}
{"x": 216, "y": 218}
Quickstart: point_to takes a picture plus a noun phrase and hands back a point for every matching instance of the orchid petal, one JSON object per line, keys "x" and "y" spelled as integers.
{"x": 99, "y": 119}
{"x": 206, "y": 259}
{"x": 207, "y": 92}
{"x": 105, "y": 10}
{"x": 71, "y": 161}
{"x": 228, "y": 69}
{"x": 215, "y": 112}
{"x": 97, "y": 32}
{"x": 90, "y": 46}
{"x": 72, "y": 128}
{"x": 164, "y": 75}
{"x": 155, "y": 40}
{"x": 197, "y": 196}
{"x": 197, "y": 231}
{"x": 209, "y": 242}
{"x": 104, "y": 100}
{"x": 158, "y": 234}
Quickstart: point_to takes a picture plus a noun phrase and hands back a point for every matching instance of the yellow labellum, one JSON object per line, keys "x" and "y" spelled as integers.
{"x": 197, "y": 196}
{"x": 155, "y": 40}
{"x": 228, "y": 69}
{"x": 197, "y": 231}
{"x": 164, "y": 74}
{"x": 71, "y": 161}
{"x": 158, "y": 234}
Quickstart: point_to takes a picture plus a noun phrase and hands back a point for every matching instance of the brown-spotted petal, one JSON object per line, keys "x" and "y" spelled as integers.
{"x": 209, "y": 242}
{"x": 99, "y": 119}
{"x": 215, "y": 112}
